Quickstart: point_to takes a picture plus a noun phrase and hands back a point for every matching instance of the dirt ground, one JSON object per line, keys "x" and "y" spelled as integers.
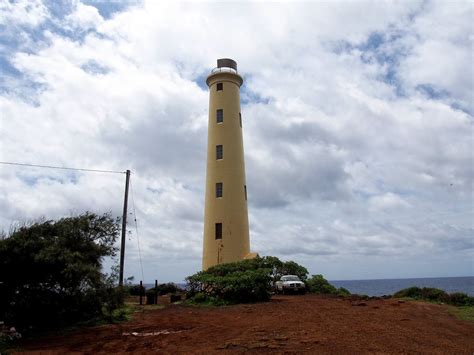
{"x": 287, "y": 324}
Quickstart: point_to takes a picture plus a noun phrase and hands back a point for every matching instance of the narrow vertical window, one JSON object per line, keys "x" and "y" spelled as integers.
{"x": 219, "y": 152}
{"x": 220, "y": 115}
{"x": 245, "y": 191}
{"x": 220, "y": 87}
{"x": 218, "y": 230}
{"x": 240, "y": 119}
{"x": 219, "y": 187}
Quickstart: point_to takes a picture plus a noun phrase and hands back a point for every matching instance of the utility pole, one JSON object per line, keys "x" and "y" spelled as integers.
{"x": 124, "y": 227}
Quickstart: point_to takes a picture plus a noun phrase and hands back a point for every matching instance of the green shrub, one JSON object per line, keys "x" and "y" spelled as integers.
{"x": 426, "y": 293}
{"x": 411, "y": 292}
{"x": 113, "y": 304}
{"x": 436, "y": 295}
{"x": 292, "y": 268}
{"x": 234, "y": 287}
{"x": 135, "y": 290}
{"x": 167, "y": 288}
{"x": 149, "y": 292}
{"x": 343, "y": 291}
{"x": 240, "y": 282}
{"x": 319, "y": 285}
{"x": 461, "y": 299}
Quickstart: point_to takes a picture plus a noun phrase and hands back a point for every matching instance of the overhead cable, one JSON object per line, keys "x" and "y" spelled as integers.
{"x": 63, "y": 168}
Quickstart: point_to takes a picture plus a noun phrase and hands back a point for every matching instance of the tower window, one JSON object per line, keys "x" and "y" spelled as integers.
{"x": 245, "y": 191}
{"x": 219, "y": 188}
{"x": 219, "y": 152}
{"x": 240, "y": 119}
{"x": 220, "y": 86}
{"x": 218, "y": 230}
{"x": 220, "y": 115}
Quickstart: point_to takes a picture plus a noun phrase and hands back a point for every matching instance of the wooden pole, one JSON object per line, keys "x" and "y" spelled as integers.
{"x": 156, "y": 291}
{"x": 124, "y": 228}
{"x": 141, "y": 292}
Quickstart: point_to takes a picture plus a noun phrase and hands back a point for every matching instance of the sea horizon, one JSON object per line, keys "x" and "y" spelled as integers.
{"x": 380, "y": 287}
{"x": 403, "y": 278}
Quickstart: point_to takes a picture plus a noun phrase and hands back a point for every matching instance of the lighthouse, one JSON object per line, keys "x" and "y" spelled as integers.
{"x": 226, "y": 226}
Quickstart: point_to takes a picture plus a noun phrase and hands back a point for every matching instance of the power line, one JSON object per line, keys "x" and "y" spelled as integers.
{"x": 63, "y": 168}
{"x": 136, "y": 229}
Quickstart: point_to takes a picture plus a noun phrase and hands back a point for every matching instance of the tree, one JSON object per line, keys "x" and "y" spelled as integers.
{"x": 242, "y": 281}
{"x": 50, "y": 271}
{"x": 280, "y": 268}
{"x": 239, "y": 282}
{"x": 292, "y": 268}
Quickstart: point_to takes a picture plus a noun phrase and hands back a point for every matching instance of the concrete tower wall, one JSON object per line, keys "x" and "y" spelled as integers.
{"x": 231, "y": 208}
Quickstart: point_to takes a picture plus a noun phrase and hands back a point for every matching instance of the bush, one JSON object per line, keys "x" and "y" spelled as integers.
{"x": 343, "y": 291}
{"x": 436, "y": 295}
{"x": 135, "y": 290}
{"x": 461, "y": 299}
{"x": 411, "y": 292}
{"x": 240, "y": 282}
{"x": 164, "y": 289}
{"x": 50, "y": 272}
{"x": 319, "y": 285}
{"x": 236, "y": 287}
{"x": 292, "y": 268}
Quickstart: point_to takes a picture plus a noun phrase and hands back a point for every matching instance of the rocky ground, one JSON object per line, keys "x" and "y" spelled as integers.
{"x": 287, "y": 324}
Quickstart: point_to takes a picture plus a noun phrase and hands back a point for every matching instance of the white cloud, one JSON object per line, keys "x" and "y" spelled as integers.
{"x": 387, "y": 201}
{"x": 84, "y": 17}
{"x": 346, "y": 155}
{"x": 22, "y": 12}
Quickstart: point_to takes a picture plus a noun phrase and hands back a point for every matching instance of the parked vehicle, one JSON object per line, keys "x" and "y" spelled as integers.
{"x": 290, "y": 284}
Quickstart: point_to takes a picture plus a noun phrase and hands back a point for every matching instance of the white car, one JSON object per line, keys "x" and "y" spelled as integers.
{"x": 290, "y": 284}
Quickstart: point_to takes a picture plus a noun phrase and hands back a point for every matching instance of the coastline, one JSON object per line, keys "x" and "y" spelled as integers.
{"x": 380, "y": 287}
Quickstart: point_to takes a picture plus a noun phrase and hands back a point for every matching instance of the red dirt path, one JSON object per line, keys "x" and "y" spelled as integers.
{"x": 287, "y": 324}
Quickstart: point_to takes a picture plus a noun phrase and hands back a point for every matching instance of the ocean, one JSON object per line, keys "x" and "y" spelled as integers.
{"x": 390, "y": 286}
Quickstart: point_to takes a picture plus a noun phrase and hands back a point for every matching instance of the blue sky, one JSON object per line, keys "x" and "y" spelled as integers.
{"x": 357, "y": 127}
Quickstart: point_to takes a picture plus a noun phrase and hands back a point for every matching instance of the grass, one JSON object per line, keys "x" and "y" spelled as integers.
{"x": 463, "y": 313}
{"x": 136, "y": 308}
{"x": 206, "y": 302}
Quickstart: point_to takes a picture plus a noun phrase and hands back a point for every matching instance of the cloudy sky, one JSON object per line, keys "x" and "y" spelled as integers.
{"x": 357, "y": 116}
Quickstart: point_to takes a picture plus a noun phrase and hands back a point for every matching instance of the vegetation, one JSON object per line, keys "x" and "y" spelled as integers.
{"x": 50, "y": 273}
{"x": 463, "y": 312}
{"x": 279, "y": 268}
{"x": 131, "y": 289}
{"x": 240, "y": 282}
{"x": 135, "y": 290}
{"x": 166, "y": 288}
{"x": 319, "y": 285}
{"x": 162, "y": 289}
{"x": 436, "y": 295}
